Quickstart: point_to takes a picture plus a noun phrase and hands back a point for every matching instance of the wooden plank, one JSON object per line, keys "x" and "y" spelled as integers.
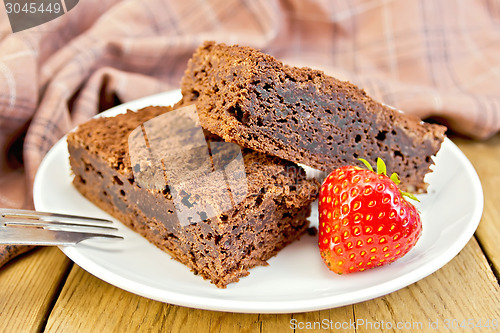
{"x": 485, "y": 157}
{"x": 29, "y": 285}
{"x": 88, "y": 304}
{"x": 329, "y": 320}
{"x": 463, "y": 289}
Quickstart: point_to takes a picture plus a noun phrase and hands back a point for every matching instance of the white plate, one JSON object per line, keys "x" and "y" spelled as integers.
{"x": 296, "y": 280}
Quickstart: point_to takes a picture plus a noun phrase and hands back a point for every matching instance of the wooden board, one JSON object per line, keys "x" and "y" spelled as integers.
{"x": 44, "y": 291}
{"x": 463, "y": 289}
{"x": 28, "y": 287}
{"x": 485, "y": 157}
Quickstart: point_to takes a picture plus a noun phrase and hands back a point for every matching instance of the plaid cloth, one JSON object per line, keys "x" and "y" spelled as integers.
{"x": 435, "y": 59}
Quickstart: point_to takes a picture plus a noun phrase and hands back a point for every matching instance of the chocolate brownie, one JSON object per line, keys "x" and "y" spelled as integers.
{"x": 127, "y": 166}
{"x": 303, "y": 115}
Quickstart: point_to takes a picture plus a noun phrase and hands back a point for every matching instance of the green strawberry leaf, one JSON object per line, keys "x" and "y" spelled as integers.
{"x": 381, "y": 168}
{"x": 365, "y": 162}
{"x": 395, "y": 178}
{"x": 409, "y": 195}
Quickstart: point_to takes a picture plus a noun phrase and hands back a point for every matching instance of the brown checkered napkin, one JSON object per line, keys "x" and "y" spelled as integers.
{"x": 436, "y": 59}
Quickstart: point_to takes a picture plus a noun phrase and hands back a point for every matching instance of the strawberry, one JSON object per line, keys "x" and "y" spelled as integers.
{"x": 364, "y": 219}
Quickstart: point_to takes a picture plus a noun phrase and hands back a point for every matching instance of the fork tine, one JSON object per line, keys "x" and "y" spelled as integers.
{"x": 36, "y": 215}
{"x": 15, "y": 221}
{"x": 40, "y": 228}
{"x": 32, "y": 236}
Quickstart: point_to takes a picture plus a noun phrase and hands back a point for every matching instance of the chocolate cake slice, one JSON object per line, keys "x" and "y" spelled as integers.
{"x": 303, "y": 115}
{"x": 212, "y": 205}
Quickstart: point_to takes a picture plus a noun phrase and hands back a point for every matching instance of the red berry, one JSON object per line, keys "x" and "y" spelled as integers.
{"x": 364, "y": 220}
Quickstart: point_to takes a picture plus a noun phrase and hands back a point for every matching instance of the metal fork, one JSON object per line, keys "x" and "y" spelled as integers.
{"x": 28, "y": 227}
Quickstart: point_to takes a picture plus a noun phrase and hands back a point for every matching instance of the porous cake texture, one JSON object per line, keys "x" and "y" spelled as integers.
{"x": 303, "y": 115}
{"x": 269, "y": 202}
